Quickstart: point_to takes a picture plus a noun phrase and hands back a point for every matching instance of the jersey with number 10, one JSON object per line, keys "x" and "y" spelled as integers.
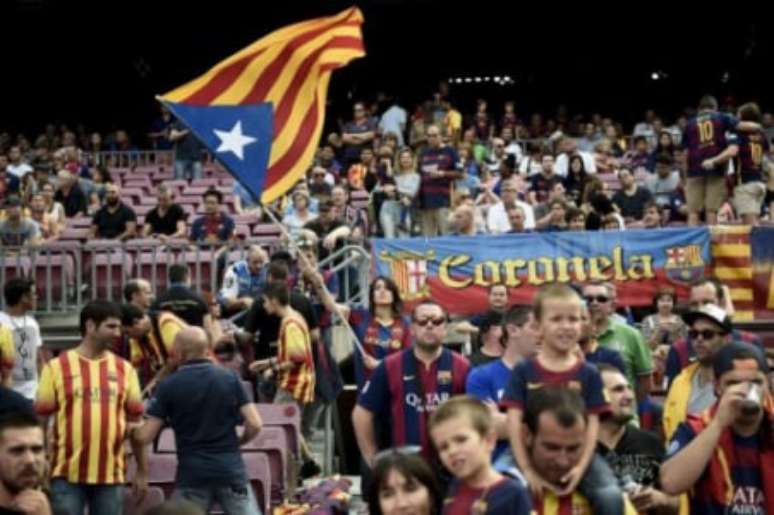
{"x": 704, "y": 138}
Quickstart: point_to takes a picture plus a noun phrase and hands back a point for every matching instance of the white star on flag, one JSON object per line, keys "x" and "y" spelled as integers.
{"x": 234, "y": 140}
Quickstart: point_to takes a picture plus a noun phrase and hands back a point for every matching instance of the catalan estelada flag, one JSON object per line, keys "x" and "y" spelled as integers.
{"x": 261, "y": 111}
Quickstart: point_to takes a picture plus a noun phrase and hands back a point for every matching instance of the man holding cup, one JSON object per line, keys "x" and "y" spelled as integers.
{"x": 725, "y": 455}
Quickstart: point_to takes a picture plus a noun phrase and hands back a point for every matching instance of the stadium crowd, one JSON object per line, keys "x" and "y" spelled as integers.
{"x": 572, "y": 404}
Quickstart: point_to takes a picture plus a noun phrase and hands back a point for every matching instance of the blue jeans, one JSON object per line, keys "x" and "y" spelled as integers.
{"x": 600, "y": 486}
{"x": 183, "y": 165}
{"x": 72, "y": 498}
{"x": 233, "y": 500}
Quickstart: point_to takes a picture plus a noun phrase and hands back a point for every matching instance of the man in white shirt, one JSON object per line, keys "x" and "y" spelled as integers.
{"x": 394, "y": 120}
{"x": 17, "y": 166}
{"x": 20, "y": 299}
{"x": 569, "y": 147}
{"x": 497, "y": 218}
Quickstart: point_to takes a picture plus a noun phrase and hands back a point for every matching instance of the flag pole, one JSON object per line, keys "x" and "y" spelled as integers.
{"x": 292, "y": 243}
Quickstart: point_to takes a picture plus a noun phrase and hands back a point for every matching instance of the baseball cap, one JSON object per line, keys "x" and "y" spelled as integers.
{"x": 739, "y": 355}
{"x": 712, "y": 313}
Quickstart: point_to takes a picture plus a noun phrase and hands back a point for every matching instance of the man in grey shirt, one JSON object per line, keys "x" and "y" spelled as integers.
{"x": 17, "y": 230}
{"x": 665, "y": 181}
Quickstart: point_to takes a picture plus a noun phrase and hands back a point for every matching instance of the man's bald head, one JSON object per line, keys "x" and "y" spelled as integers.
{"x": 191, "y": 343}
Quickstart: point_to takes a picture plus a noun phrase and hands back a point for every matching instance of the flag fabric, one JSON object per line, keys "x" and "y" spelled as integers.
{"x": 261, "y": 111}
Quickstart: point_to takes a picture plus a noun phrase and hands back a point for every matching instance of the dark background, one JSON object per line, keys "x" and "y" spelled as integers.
{"x": 101, "y": 64}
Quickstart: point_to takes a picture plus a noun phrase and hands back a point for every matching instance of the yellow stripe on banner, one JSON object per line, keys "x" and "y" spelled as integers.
{"x": 717, "y": 230}
{"x": 731, "y": 250}
{"x": 740, "y": 294}
{"x": 744, "y": 316}
{"x": 244, "y": 83}
{"x": 733, "y": 274}
{"x": 305, "y": 95}
{"x": 273, "y": 38}
{"x": 290, "y": 177}
{"x": 550, "y": 504}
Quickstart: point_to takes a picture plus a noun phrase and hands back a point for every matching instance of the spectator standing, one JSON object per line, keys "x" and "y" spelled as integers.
{"x": 357, "y": 134}
{"x": 437, "y": 167}
{"x": 204, "y": 404}
{"x": 188, "y": 152}
{"x": 87, "y": 469}
{"x": 17, "y": 230}
{"x": 20, "y": 300}
{"x": 181, "y": 300}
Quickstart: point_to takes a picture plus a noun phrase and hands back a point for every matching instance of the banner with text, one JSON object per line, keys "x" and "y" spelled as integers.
{"x": 457, "y": 271}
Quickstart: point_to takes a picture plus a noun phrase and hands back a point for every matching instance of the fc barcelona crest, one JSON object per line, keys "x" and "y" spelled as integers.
{"x": 409, "y": 271}
{"x": 684, "y": 264}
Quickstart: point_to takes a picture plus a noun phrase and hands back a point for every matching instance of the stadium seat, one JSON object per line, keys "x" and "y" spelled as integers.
{"x": 206, "y": 183}
{"x": 148, "y": 200}
{"x": 359, "y": 199}
{"x": 108, "y": 268}
{"x": 142, "y": 210}
{"x": 247, "y": 219}
{"x": 13, "y": 265}
{"x": 273, "y": 442}
{"x": 285, "y": 416}
{"x": 195, "y": 190}
{"x": 259, "y": 475}
{"x": 135, "y": 193}
{"x": 79, "y": 221}
{"x": 54, "y": 271}
{"x": 165, "y": 443}
{"x": 74, "y": 234}
{"x": 153, "y": 497}
{"x": 162, "y": 469}
{"x": 242, "y": 231}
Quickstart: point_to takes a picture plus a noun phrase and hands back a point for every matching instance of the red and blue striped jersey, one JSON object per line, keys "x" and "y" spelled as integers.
{"x": 405, "y": 392}
{"x": 753, "y": 146}
{"x": 378, "y": 340}
{"x": 745, "y": 475}
{"x": 435, "y": 192}
{"x": 507, "y": 497}
{"x": 530, "y": 375}
{"x": 704, "y": 138}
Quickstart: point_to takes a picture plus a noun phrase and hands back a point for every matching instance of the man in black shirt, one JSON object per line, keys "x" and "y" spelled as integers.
{"x": 267, "y": 326}
{"x": 181, "y": 300}
{"x": 167, "y": 220}
{"x": 114, "y": 220}
{"x": 70, "y": 195}
{"x": 332, "y": 232}
{"x": 634, "y": 455}
{"x": 631, "y": 199}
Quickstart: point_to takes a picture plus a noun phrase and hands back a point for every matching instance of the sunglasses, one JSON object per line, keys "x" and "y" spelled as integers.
{"x": 600, "y": 299}
{"x": 437, "y": 322}
{"x": 706, "y": 334}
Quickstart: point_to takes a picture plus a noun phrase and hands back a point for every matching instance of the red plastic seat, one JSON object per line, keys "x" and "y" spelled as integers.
{"x": 259, "y": 475}
{"x": 273, "y": 442}
{"x": 285, "y": 416}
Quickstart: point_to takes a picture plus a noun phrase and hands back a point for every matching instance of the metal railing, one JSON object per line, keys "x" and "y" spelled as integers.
{"x": 135, "y": 158}
{"x": 67, "y": 274}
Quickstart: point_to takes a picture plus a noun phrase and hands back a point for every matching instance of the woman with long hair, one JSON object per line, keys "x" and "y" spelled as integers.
{"x": 395, "y": 215}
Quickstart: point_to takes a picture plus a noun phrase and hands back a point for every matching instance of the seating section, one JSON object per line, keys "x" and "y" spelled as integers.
{"x": 268, "y": 459}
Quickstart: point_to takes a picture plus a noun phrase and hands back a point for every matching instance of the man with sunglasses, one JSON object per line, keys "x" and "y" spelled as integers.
{"x": 705, "y": 291}
{"x": 693, "y": 390}
{"x": 407, "y": 386}
{"x": 613, "y": 334}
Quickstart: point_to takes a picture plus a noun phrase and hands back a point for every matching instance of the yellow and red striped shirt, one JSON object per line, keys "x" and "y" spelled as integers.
{"x": 7, "y": 350}
{"x": 295, "y": 346}
{"x": 91, "y": 401}
{"x": 572, "y": 504}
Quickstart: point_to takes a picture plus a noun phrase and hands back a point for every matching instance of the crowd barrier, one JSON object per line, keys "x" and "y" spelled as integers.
{"x": 68, "y": 274}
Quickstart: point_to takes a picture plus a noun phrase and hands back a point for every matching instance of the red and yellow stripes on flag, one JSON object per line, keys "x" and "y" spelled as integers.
{"x": 732, "y": 265}
{"x": 290, "y": 68}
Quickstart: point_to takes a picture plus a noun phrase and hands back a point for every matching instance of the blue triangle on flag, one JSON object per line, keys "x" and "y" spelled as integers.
{"x": 237, "y": 136}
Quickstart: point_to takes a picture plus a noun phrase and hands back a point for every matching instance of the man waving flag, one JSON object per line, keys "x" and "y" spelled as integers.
{"x": 261, "y": 111}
